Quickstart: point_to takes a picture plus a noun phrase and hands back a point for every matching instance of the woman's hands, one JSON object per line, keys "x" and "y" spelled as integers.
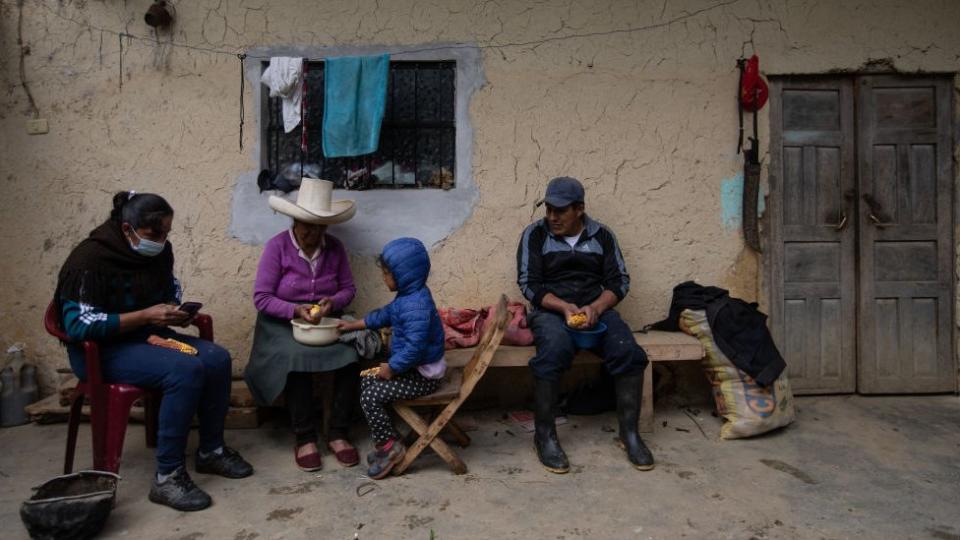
{"x": 305, "y": 311}
{"x": 326, "y": 308}
{"x": 302, "y": 311}
{"x": 162, "y": 315}
{"x": 158, "y": 315}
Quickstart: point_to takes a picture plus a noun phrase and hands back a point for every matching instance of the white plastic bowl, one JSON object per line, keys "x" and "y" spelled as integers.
{"x": 323, "y": 333}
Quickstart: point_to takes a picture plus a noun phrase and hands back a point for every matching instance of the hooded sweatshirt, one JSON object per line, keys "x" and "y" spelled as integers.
{"x": 417, "y": 338}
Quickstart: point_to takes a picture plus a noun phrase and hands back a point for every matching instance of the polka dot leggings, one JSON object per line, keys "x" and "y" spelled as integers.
{"x": 376, "y": 393}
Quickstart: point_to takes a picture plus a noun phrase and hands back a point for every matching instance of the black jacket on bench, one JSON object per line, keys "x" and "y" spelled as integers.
{"x": 739, "y": 329}
{"x": 547, "y": 264}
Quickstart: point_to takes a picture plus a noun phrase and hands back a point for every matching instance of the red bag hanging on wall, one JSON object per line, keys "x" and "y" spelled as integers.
{"x": 753, "y": 89}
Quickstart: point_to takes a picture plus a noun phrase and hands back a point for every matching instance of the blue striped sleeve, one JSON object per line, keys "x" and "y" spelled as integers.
{"x": 83, "y": 321}
{"x": 530, "y": 266}
{"x": 174, "y": 292}
{"x": 615, "y": 276}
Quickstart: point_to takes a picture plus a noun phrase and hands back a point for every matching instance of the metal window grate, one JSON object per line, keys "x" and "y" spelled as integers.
{"x": 417, "y": 139}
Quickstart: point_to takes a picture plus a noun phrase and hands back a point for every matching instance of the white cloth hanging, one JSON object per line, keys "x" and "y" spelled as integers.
{"x": 284, "y": 77}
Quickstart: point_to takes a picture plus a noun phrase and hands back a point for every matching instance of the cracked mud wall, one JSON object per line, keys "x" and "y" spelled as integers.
{"x": 645, "y": 118}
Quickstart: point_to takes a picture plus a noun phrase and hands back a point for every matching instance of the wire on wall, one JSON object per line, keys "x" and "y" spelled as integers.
{"x": 491, "y": 45}
{"x": 23, "y": 53}
{"x": 241, "y": 57}
{"x": 120, "y": 38}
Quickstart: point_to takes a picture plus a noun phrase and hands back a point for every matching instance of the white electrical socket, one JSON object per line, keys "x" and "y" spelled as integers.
{"x": 37, "y": 126}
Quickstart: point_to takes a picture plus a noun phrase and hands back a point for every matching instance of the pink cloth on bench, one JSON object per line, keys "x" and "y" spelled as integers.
{"x": 463, "y": 327}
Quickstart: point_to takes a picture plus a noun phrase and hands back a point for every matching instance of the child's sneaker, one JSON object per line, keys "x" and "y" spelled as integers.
{"x": 385, "y": 459}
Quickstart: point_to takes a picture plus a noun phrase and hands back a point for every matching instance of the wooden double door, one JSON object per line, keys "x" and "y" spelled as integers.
{"x": 860, "y": 233}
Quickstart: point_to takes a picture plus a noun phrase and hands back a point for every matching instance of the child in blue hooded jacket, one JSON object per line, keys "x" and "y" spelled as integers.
{"x": 416, "y": 366}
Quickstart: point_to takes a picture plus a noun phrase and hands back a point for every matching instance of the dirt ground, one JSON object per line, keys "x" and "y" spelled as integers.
{"x": 850, "y": 467}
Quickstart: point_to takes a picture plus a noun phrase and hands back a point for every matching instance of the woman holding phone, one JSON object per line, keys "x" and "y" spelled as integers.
{"x": 304, "y": 274}
{"x": 117, "y": 288}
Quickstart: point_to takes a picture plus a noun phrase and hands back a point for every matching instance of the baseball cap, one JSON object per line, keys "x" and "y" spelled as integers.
{"x": 562, "y": 191}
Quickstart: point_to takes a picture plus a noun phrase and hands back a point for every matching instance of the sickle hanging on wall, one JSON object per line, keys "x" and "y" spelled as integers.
{"x": 752, "y": 95}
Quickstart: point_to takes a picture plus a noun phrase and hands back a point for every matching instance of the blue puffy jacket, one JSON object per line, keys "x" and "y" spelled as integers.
{"x": 417, "y": 331}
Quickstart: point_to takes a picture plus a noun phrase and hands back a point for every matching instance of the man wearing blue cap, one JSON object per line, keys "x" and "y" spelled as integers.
{"x": 569, "y": 264}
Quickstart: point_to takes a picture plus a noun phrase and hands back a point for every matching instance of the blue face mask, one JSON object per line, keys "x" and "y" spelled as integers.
{"x": 148, "y": 248}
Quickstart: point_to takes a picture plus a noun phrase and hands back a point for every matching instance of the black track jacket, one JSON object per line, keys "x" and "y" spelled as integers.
{"x": 547, "y": 264}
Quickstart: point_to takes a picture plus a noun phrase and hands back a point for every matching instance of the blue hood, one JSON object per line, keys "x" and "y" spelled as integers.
{"x": 408, "y": 261}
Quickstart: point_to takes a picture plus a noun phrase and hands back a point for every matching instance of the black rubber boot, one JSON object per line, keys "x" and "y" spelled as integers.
{"x": 545, "y": 394}
{"x": 629, "y": 391}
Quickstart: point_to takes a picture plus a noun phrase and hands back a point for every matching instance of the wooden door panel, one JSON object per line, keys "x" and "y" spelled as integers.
{"x": 906, "y": 240}
{"x": 812, "y": 261}
{"x": 793, "y": 186}
{"x": 888, "y": 336}
{"x": 920, "y": 201}
{"x": 885, "y": 174}
{"x": 831, "y": 339}
{"x": 904, "y": 107}
{"x": 905, "y": 262}
{"x": 811, "y": 108}
{"x": 908, "y": 340}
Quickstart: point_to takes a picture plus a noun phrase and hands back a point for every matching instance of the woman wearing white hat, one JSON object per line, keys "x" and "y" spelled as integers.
{"x": 300, "y": 268}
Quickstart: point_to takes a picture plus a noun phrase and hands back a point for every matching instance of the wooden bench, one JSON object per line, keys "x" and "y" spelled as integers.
{"x": 660, "y": 347}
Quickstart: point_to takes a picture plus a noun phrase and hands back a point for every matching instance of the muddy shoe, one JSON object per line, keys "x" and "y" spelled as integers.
{"x": 637, "y": 453}
{"x": 384, "y": 460}
{"x": 372, "y": 456}
{"x": 179, "y": 492}
{"x": 629, "y": 395}
{"x": 227, "y": 463}
{"x": 549, "y": 451}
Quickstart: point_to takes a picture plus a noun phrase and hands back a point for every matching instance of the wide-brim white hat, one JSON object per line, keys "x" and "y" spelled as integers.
{"x": 315, "y": 204}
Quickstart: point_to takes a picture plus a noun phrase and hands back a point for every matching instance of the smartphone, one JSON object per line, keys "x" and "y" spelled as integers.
{"x": 190, "y": 307}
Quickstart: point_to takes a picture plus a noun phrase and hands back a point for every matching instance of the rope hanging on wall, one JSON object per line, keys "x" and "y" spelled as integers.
{"x": 304, "y": 150}
{"x": 120, "y": 37}
{"x": 241, "y": 56}
{"x": 24, "y": 51}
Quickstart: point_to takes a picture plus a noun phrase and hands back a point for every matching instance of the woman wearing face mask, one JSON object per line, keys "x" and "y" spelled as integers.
{"x": 117, "y": 288}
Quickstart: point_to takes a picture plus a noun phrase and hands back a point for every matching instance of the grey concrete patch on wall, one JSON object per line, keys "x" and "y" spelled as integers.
{"x": 382, "y": 215}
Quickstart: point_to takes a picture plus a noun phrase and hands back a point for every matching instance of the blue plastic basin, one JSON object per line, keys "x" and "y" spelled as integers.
{"x": 587, "y": 339}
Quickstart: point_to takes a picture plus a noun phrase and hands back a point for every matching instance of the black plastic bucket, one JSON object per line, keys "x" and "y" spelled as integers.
{"x": 73, "y": 506}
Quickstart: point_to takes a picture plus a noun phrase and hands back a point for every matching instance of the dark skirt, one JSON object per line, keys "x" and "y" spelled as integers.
{"x": 275, "y": 354}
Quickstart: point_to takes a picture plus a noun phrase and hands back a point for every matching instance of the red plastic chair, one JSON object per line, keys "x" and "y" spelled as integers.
{"x": 109, "y": 403}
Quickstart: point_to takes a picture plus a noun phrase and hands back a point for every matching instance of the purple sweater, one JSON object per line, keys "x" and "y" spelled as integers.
{"x": 284, "y": 278}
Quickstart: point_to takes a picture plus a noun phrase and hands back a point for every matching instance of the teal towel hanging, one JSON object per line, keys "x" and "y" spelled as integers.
{"x": 355, "y": 96}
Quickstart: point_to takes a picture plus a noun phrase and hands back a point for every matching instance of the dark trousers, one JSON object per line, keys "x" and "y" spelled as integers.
{"x": 376, "y": 394}
{"x": 302, "y": 407}
{"x": 555, "y": 349}
{"x": 190, "y": 385}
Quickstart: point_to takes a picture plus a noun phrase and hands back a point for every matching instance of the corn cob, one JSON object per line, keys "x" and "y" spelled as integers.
{"x": 172, "y": 344}
{"x": 577, "y": 320}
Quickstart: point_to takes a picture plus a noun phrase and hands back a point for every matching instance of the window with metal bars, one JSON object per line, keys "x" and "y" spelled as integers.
{"x": 417, "y": 138}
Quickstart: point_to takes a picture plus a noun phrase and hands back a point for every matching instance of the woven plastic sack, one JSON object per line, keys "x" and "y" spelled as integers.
{"x": 748, "y": 408}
